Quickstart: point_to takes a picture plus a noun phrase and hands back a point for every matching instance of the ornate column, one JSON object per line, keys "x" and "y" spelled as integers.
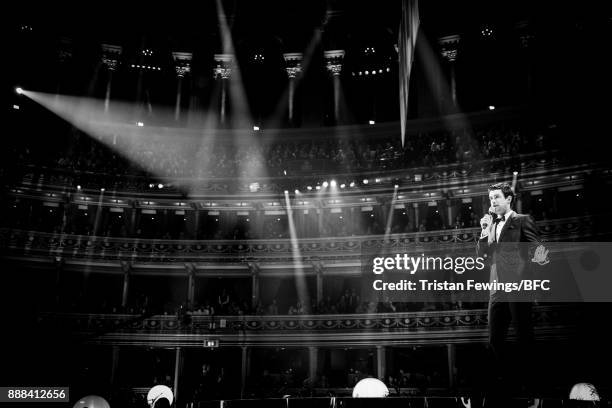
{"x": 333, "y": 63}
{"x": 293, "y": 67}
{"x": 190, "y": 267}
{"x": 110, "y": 58}
{"x": 318, "y": 268}
{"x": 312, "y": 363}
{"x": 448, "y": 47}
{"x": 182, "y": 66}
{"x": 126, "y": 268}
{"x": 59, "y": 267}
{"x": 223, "y": 72}
{"x": 245, "y": 368}
{"x": 417, "y": 216}
{"x": 114, "y": 364}
{"x": 254, "y": 269}
{"x": 381, "y": 362}
{"x": 450, "y": 352}
{"x": 177, "y": 372}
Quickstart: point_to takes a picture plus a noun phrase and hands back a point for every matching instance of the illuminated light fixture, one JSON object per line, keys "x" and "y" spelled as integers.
{"x": 102, "y": 189}
{"x": 160, "y": 186}
{"x": 360, "y": 72}
{"x": 285, "y": 172}
{"x": 342, "y": 185}
{"x": 373, "y": 72}
{"x": 19, "y": 90}
{"x": 256, "y": 128}
{"x": 380, "y": 71}
{"x": 367, "y": 72}
{"x": 78, "y": 187}
{"x": 333, "y": 183}
{"x": 377, "y": 180}
{"x": 254, "y": 187}
{"x": 396, "y": 186}
{"x": 16, "y": 107}
{"x": 388, "y": 69}
{"x": 309, "y": 188}
{"x": 491, "y": 107}
{"x": 371, "y": 122}
{"x": 515, "y": 173}
{"x": 325, "y": 184}
{"x": 365, "y": 181}
{"x": 297, "y": 191}
{"x": 140, "y": 124}
{"x": 352, "y": 184}
{"x": 151, "y": 185}
{"x": 286, "y": 191}
{"x": 318, "y": 187}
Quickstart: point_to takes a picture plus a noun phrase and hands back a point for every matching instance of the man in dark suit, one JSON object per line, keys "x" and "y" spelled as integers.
{"x": 504, "y": 242}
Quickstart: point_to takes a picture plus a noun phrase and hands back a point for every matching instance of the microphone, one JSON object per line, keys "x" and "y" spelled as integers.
{"x": 492, "y": 214}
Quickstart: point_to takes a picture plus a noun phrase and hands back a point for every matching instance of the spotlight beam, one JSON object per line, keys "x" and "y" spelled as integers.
{"x": 300, "y": 279}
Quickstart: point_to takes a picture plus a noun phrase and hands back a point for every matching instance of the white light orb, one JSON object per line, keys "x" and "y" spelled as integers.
{"x": 157, "y": 392}
{"x": 91, "y": 401}
{"x": 370, "y": 388}
{"x": 584, "y": 392}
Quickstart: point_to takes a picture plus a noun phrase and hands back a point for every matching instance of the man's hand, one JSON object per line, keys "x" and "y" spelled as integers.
{"x": 486, "y": 223}
{"x": 540, "y": 256}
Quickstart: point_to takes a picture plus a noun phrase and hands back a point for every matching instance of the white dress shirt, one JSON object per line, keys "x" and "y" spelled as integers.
{"x": 498, "y": 229}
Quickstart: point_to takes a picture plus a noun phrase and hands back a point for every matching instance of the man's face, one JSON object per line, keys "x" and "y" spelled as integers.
{"x": 500, "y": 204}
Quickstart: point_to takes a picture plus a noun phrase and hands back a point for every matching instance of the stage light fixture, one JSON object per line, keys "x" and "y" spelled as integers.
{"x": 91, "y": 401}
{"x": 160, "y": 186}
{"x": 342, "y": 185}
{"x": 16, "y": 107}
{"x": 352, "y": 184}
{"x": 309, "y": 188}
{"x": 491, "y": 107}
{"x": 140, "y": 124}
{"x": 371, "y": 122}
{"x": 333, "y": 183}
{"x": 365, "y": 181}
{"x": 19, "y": 90}
{"x": 325, "y": 184}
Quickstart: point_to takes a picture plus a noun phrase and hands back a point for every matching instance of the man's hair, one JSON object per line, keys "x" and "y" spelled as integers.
{"x": 505, "y": 188}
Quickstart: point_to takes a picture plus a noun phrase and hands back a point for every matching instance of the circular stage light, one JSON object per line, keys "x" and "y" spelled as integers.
{"x": 91, "y": 401}
{"x": 370, "y": 388}
{"x": 158, "y": 392}
{"x": 584, "y": 392}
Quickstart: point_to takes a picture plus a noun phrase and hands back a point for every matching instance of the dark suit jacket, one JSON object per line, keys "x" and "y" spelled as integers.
{"x": 511, "y": 255}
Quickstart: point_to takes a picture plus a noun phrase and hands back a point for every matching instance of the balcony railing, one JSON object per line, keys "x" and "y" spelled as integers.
{"x": 40, "y": 244}
{"x": 416, "y": 176}
{"x": 455, "y": 326}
